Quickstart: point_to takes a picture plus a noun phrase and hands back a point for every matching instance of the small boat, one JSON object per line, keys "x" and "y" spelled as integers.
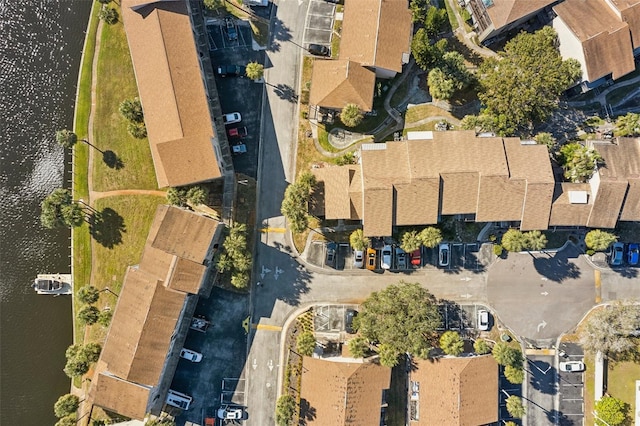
{"x": 53, "y": 284}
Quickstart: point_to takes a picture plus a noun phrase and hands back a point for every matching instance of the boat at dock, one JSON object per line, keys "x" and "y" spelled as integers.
{"x": 53, "y": 284}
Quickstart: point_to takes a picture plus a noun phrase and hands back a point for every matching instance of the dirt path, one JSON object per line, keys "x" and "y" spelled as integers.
{"x": 96, "y": 195}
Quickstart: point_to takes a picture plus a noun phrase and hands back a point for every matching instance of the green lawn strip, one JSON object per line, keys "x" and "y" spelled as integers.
{"x": 116, "y": 82}
{"x": 452, "y": 17}
{"x": 137, "y": 213}
{"x": 621, "y": 382}
{"x": 423, "y": 111}
{"x": 423, "y": 127}
{"x": 589, "y": 388}
{"x": 336, "y": 37}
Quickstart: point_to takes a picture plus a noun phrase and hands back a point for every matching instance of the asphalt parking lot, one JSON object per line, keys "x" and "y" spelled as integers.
{"x": 571, "y": 386}
{"x": 461, "y": 318}
{"x": 506, "y": 389}
{"x": 238, "y": 94}
{"x": 542, "y": 389}
{"x": 318, "y": 27}
{"x": 223, "y": 347}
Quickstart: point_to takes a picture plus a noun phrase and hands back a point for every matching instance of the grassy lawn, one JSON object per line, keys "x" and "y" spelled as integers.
{"x": 116, "y": 82}
{"x": 336, "y": 37}
{"x": 137, "y": 213}
{"x": 621, "y": 382}
{"x": 420, "y": 112}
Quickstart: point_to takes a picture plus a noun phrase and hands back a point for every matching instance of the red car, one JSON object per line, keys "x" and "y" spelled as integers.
{"x": 237, "y": 132}
{"x": 415, "y": 258}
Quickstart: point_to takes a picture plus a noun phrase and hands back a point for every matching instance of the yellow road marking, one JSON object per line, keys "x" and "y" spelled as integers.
{"x": 598, "y": 286}
{"x": 266, "y": 327}
{"x": 276, "y": 230}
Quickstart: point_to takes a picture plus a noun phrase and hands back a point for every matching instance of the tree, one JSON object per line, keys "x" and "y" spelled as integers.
{"x": 610, "y": 330}
{"x": 59, "y": 210}
{"x": 351, "y": 115}
{"x": 506, "y": 355}
{"x": 358, "y": 346}
{"x": 514, "y": 240}
{"x": 454, "y": 67}
{"x": 92, "y": 351}
{"x": 137, "y": 130}
{"x": 306, "y": 343}
{"x": 599, "y": 240}
{"x": 88, "y": 315}
{"x": 418, "y": 10}
{"x": 579, "y": 162}
{"x": 66, "y": 405}
{"x": 105, "y": 318}
{"x": 628, "y": 125}
{"x": 389, "y": 356}
{"x": 295, "y": 205}
{"x": 224, "y": 263}
{"x": 66, "y": 138}
{"x": 514, "y": 375}
{"x": 240, "y": 280}
{"x": 285, "y": 410}
{"x": 76, "y": 367}
{"x": 213, "y": 4}
{"x": 73, "y": 351}
{"x": 430, "y": 237}
{"x": 510, "y": 424}
{"x": 403, "y": 317}
{"x": 451, "y": 343}
{"x": 69, "y": 420}
{"x": 427, "y": 55}
{"x": 254, "y": 70}
{"x": 88, "y": 294}
{"x": 535, "y": 240}
{"x": 481, "y": 347}
{"x": 131, "y": 110}
{"x": 197, "y": 195}
{"x": 165, "y": 421}
{"x": 515, "y": 407}
{"x": 358, "y": 241}
{"x": 546, "y": 139}
{"x": 410, "y": 241}
{"x": 440, "y": 87}
{"x": 109, "y": 15}
{"x": 522, "y": 85}
{"x": 479, "y": 123}
{"x": 611, "y": 411}
{"x": 177, "y": 197}
{"x": 434, "y": 20}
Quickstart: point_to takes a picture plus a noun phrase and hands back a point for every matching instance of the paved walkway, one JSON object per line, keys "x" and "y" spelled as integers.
{"x": 601, "y": 98}
{"x": 466, "y": 37}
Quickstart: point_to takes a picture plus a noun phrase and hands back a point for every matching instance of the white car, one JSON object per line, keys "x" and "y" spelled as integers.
{"x": 231, "y": 118}
{"x": 571, "y": 366}
{"x": 230, "y": 413}
{"x": 178, "y": 399}
{"x": 358, "y": 258}
{"x": 386, "y": 257}
{"x": 443, "y": 254}
{"x": 483, "y": 320}
{"x": 190, "y": 355}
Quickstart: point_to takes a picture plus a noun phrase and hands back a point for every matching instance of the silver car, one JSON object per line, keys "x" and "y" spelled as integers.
{"x": 386, "y": 257}
{"x": 358, "y": 258}
{"x": 401, "y": 259}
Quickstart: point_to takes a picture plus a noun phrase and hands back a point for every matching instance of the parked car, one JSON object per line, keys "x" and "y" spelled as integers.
{"x": 231, "y": 118}
{"x": 230, "y": 413}
{"x": 330, "y": 258}
{"x": 358, "y": 258}
{"x": 178, "y": 399}
{"x": 319, "y": 50}
{"x": 239, "y": 148}
{"x": 443, "y": 254}
{"x": 371, "y": 259}
{"x": 483, "y": 320}
{"x": 232, "y": 31}
{"x": 633, "y": 252}
{"x": 416, "y": 259}
{"x": 190, "y": 355}
{"x": 386, "y": 257}
{"x": 349, "y": 315}
{"x": 231, "y": 70}
{"x": 571, "y": 366}
{"x": 401, "y": 259}
{"x": 237, "y": 132}
{"x": 199, "y": 323}
{"x": 616, "y": 254}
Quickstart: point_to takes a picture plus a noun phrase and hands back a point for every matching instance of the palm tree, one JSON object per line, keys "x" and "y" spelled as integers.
{"x": 88, "y": 294}
{"x": 515, "y": 407}
{"x": 358, "y": 240}
{"x": 254, "y": 71}
{"x": 410, "y": 241}
{"x": 59, "y": 210}
{"x": 536, "y": 240}
{"x": 68, "y": 139}
{"x": 430, "y": 237}
{"x": 514, "y": 240}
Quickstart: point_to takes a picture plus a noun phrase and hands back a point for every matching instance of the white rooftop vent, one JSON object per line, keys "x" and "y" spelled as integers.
{"x": 486, "y": 135}
{"x": 578, "y": 197}
{"x": 528, "y": 142}
{"x": 373, "y": 146}
{"x": 416, "y": 136}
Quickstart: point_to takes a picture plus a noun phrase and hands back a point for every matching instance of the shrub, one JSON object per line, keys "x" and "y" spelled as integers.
{"x": 497, "y": 249}
{"x": 481, "y": 347}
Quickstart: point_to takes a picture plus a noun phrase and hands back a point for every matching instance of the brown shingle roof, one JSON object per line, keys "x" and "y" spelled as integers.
{"x": 342, "y": 393}
{"x": 537, "y": 206}
{"x": 417, "y": 202}
{"x": 459, "y": 192}
{"x": 504, "y": 12}
{"x": 120, "y": 396}
{"x": 607, "y": 204}
{"x": 377, "y": 218}
{"x": 631, "y": 208}
{"x": 606, "y": 40}
{"x": 376, "y": 32}
{"x": 563, "y": 213}
{"x": 456, "y": 391}
{"x": 629, "y": 10}
{"x": 500, "y": 199}
{"x": 337, "y": 83}
{"x": 172, "y": 92}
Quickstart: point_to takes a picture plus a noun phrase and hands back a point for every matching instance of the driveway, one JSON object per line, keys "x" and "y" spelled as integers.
{"x": 319, "y": 23}
{"x": 540, "y": 296}
{"x": 571, "y": 386}
{"x": 542, "y": 389}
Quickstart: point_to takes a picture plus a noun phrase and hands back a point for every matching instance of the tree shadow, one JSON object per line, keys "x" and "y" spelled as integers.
{"x": 541, "y": 376}
{"x": 556, "y": 267}
{"x": 307, "y": 412}
{"x": 558, "y": 418}
{"x": 112, "y": 160}
{"x": 280, "y": 32}
{"x": 107, "y": 227}
{"x": 285, "y": 92}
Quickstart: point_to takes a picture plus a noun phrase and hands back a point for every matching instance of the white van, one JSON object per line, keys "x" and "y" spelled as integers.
{"x": 178, "y": 399}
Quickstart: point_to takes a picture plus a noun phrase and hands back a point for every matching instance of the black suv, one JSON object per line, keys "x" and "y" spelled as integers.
{"x": 319, "y": 50}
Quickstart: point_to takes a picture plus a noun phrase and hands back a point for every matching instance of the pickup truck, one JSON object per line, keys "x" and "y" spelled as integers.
{"x": 231, "y": 70}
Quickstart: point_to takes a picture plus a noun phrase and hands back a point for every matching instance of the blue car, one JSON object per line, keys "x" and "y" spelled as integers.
{"x": 633, "y": 252}
{"x": 617, "y": 254}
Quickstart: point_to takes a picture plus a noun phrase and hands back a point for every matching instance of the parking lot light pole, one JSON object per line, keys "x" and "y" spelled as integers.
{"x": 301, "y": 47}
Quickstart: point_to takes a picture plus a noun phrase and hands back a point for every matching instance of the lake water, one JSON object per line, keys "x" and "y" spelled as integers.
{"x": 40, "y": 49}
